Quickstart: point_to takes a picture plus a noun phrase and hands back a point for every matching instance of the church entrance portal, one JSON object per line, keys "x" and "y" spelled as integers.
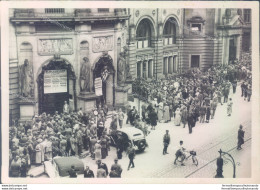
{"x": 56, "y": 84}
{"x": 104, "y": 69}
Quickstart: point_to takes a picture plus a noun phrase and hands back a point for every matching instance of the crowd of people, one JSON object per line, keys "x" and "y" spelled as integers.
{"x": 186, "y": 98}
{"x": 62, "y": 134}
{"x": 193, "y": 96}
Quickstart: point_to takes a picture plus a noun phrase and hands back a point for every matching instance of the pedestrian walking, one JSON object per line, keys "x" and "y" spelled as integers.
{"x": 116, "y": 169}
{"x": 240, "y": 137}
{"x": 120, "y": 117}
{"x": 208, "y": 114}
{"x": 166, "y": 142}
{"x": 153, "y": 118}
{"x": 229, "y": 107}
{"x": 191, "y": 121}
{"x": 131, "y": 156}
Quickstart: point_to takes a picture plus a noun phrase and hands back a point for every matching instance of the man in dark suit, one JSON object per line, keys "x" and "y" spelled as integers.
{"x": 102, "y": 165}
{"x": 72, "y": 172}
{"x": 191, "y": 122}
{"x": 88, "y": 173}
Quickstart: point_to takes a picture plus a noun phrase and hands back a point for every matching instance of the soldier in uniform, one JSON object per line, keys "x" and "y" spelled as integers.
{"x": 116, "y": 169}
{"x": 166, "y": 142}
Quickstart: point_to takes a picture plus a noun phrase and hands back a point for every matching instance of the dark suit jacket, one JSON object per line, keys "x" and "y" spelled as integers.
{"x": 88, "y": 174}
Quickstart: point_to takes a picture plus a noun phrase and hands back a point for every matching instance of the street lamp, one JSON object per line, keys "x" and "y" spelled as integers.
{"x": 220, "y": 164}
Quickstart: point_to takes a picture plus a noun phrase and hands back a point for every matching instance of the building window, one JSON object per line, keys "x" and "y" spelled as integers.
{"x": 165, "y": 65}
{"x": 169, "y": 33}
{"x": 150, "y": 68}
{"x": 54, "y": 11}
{"x": 139, "y": 69}
{"x": 195, "y": 61}
{"x": 143, "y": 34}
{"x": 174, "y": 64}
{"x": 103, "y": 10}
{"x": 196, "y": 27}
{"x": 247, "y": 15}
{"x": 170, "y": 66}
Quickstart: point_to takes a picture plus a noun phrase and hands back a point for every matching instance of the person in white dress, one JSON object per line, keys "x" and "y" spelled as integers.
{"x": 160, "y": 112}
{"x": 166, "y": 114}
{"x": 177, "y": 120}
{"x": 229, "y": 107}
{"x": 66, "y": 108}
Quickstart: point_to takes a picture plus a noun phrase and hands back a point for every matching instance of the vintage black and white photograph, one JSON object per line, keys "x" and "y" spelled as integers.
{"x": 142, "y": 92}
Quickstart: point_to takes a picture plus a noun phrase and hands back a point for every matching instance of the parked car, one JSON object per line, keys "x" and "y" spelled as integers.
{"x": 60, "y": 167}
{"x": 129, "y": 136}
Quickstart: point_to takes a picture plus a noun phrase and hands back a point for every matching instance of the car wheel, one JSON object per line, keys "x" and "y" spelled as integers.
{"x": 141, "y": 145}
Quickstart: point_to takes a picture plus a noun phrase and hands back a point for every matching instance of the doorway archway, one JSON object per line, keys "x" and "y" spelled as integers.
{"x": 51, "y": 101}
{"x": 104, "y": 69}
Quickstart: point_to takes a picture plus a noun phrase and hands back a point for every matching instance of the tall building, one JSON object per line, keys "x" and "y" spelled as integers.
{"x": 166, "y": 41}
{"x": 82, "y": 56}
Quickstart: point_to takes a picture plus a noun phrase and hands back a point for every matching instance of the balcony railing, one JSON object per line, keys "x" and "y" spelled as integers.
{"x": 59, "y": 12}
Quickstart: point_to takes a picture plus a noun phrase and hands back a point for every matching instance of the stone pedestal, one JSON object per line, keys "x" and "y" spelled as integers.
{"x": 129, "y": 84}
{"x": 87, "y": 101}
{"x": 27, "y": 109}
{"x": 121, "y": 99}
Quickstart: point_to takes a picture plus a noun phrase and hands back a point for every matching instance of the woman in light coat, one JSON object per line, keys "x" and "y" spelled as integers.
{"x": 166, "y": 114}
{"x": 177, "y": 120}
{"x": 38, "y": 152}
{"x": 229, "y": 107}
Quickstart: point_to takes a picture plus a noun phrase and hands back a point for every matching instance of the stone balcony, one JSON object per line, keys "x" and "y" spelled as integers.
{"x": 89, "y": 14}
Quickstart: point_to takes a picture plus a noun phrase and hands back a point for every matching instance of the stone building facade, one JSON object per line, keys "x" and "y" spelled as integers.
{"x": 153, "y": 43}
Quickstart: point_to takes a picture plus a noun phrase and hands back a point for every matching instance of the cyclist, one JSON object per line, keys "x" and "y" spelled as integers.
{"x": 179, "y": 153}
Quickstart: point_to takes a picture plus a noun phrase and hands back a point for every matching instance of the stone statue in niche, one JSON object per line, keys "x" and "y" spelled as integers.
{"x": 26, "y": 86}
{"x": 128, "y": 75}
{"x": 85, "y": 79}
{"x": 121, "y": 69}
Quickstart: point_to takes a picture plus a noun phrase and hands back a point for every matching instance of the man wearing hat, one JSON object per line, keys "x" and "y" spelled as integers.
{"x": 116, "y": 169}
{"x": 166, "y": 142}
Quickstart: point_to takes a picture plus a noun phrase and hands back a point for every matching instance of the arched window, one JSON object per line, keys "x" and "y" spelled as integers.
{"x": 144, "y": 34}
{"x": 169, "y": 32}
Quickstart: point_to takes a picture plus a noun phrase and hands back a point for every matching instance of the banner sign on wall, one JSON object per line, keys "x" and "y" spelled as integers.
{"x": 55, "y": 81}
{"x": 98, "y": 86}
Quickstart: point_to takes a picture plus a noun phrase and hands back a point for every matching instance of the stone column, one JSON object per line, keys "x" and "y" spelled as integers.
{"x": 166, "y": 65}
{"x": 238, "y": 38}
{"x": 146, "y": 64}
{"x": 152, "y": 74}
{"x": 132, "y": 59}
{"x": 13, "y": 72}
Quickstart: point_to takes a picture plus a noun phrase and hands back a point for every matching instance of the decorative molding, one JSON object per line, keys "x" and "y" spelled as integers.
{"x": 137, "y": 13}
{"x": 164, "y": 12}
{"x": 62, "y": 46}
{"x": 102, "y": 43}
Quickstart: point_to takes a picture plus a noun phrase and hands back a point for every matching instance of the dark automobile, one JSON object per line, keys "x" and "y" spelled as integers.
{"x": 129, "y": 136}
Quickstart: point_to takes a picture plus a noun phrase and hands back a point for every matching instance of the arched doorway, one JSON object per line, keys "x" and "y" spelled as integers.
{"x": 56, "y": 84}
{"x": 104, "y": 69}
